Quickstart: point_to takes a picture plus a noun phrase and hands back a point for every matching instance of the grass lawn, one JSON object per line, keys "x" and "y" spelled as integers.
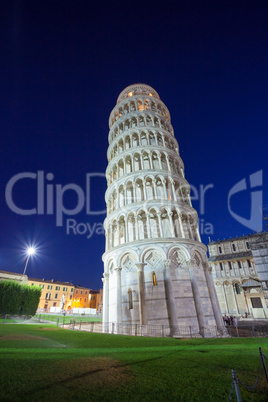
{"x": 67, "y": 318}
{"x": 43, "y": 362}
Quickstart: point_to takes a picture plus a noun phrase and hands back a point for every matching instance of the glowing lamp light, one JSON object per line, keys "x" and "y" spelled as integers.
{"x": 30, "y": 250}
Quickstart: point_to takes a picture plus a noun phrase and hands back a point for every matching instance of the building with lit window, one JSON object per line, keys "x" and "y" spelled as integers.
{"x": 81, "y": 297}
{"x": 235, "y": 276}
{"x": 155, "y": 265}
{"x": 55, "y": 295}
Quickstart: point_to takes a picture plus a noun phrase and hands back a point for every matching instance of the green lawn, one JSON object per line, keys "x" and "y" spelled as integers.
{"x": 43, "y": 362}
{"x": 67, "y": 318}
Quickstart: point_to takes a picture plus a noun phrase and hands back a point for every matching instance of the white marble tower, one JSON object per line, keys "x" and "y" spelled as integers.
{"x": 155, "y": 266}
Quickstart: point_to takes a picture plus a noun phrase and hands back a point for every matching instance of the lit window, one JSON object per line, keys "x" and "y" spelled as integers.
{"x": 140, "y": 107}
{"x": 150, "y": 94}
{"x": 130, "y": 94}
{"x": 154, "y": 279}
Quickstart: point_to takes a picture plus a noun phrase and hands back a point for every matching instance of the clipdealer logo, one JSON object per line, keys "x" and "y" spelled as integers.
{"x": 50, "y": 197}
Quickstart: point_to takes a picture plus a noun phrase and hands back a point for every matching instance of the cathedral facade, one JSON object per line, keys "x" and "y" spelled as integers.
{"x": 239, "y": 266}
{"x": 156, "y": 271}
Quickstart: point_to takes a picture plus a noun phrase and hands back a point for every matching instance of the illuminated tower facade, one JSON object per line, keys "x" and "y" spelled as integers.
{"x": 155, "y": 266}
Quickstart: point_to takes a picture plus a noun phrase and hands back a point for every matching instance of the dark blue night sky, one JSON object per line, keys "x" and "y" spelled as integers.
{"x": 63, "y": 65}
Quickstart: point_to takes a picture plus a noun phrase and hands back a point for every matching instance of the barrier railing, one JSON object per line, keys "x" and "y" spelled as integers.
{"x": 236, "y": 381}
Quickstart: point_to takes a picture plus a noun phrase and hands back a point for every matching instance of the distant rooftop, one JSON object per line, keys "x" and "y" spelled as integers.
{"x": 244, "y": 237}
{"x": 12, "y": 273}
{"x": 229, "y": 257}
{"x": 50, "y": 281}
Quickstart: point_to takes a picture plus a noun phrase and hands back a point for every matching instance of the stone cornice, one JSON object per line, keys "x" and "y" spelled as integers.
{"x": 165, "y": 241}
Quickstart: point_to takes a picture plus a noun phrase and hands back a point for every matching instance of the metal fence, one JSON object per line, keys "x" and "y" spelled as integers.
{"x": 146, "y": 330}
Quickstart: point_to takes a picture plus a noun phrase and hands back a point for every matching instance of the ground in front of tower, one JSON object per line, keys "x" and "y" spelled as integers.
{"x": 38, "y": 363}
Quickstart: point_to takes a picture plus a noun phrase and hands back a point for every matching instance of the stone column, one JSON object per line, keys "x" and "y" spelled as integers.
{"x": 160, "y": 223}
{"x": 137, "y": 236}
{"x": 165, "y": 189}
{"x": 148, "y": 225}
{"x": 125, "y": 196}
{"x": 172, "y": 232}
{"x": 105, "y": 281}
{"x": 168, "y": 163}
{"x": 181, "y": 226}
{"x": 118, "y": 295}
{"x": 171, "y": 302}
{"x": 197, "y": 298}
{"x": 198, "y": 233}
{"x": 225, "y": 298}
{"x": 173, "y": 190}
{"x": 159, "y": 160}
{"x": 213, "y": 297}
{"x": 144, "y": 190}
{"x": 126, "y": 230}
{"x": 155, "y": 190}
{"x": 142, "y": 307}
{"x": 235, "y": 302}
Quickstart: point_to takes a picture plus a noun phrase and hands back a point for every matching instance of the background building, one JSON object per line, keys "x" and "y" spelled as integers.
{"x": 52, "y": 293}
{"x": 12, "y": 276}
{"x": 155, "y": 265}
{"x": 235, "y": 276}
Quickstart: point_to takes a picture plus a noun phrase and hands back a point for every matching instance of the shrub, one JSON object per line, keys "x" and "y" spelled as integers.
{"x": 18, "y": 299}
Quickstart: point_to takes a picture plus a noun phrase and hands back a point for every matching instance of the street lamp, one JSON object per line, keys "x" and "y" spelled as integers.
{"x": 30, "y": 251}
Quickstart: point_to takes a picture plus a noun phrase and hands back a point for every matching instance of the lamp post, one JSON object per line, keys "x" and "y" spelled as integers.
{"x": 30, "y": 251}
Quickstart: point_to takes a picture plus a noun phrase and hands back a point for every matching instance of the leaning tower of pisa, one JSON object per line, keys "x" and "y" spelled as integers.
{"x": 155, "y": 266}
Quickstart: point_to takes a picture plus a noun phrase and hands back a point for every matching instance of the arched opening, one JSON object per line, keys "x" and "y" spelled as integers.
{"x": 149, "y": 188}
{"x": 137, "y": 162}
{"x": 139, "y": 190}
{"x": 155, "y": 160}
{"x": 165, "y": 223}
{"x": 130, "y": 299}
{"x": 142, "y": 225}
{"x": 154, "y": 224}
{"x": 176, "y": 223}
{"x": 128, "y": 164}
{"x": 131, "y": 227}
{"x": 146, "y": 160}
